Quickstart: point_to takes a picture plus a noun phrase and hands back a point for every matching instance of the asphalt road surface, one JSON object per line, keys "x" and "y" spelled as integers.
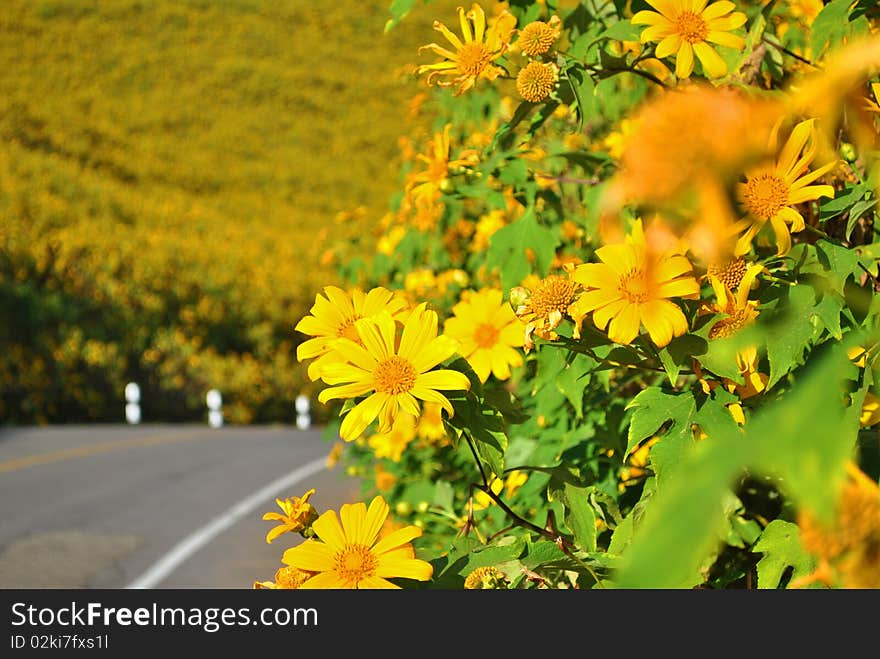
{"x": 153, "y": 506}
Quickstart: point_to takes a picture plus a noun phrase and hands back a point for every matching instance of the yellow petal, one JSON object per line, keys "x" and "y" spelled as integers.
{"x": 375, "y": 518}
{"x": 352, "y": 517}
{"x": 713, "y": 65}
{"x": 310, "y": 555}
{"x": 624, "y": 327}
{"x": 684, "y": 61}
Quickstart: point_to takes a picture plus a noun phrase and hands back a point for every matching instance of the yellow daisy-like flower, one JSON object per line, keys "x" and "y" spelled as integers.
{"x": 536, "y": 81}
{"x": 488, "y": 332}
{"x": 286, "y": 578}
{"x": 393, "y": 443}
{"x": 538, "y": 37}
{"x": 429, "y": 181}
{"x": 543, "y": 306}
{"x": 474, "y": 54}
{"x": 430, "y": 427}
{"x": 394, "y": 372}
{"x": 349, "y": 553}
{"x": 771, "y": 191}
{"x": 296, "y": 515}
{"x": 687, "y": 28}
{"x": 631, "y": 287}
{"x": 333, "y": 317}
{"x": 739, "y": 310}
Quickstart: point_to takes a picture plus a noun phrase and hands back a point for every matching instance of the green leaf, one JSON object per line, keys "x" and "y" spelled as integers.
{"x": 780, "y": 543}
{"x": 583, "y": 87}
{"x": 623, "y": 31}
{"x": 830, "y": 26}
{"x": 790, "y": 335}
{"x": 679, "y": 352}
{"x": 807, "y": 452}
{"x": 653, "y": 407}
{"x": 398, "y": 9}
{"x": 580, "y": 518}
{"x": 571, "y": 384}
{"x": 507, "y": 249}
{"x": 842, "y": 201}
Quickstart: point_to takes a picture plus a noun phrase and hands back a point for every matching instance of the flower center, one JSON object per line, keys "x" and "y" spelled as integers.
{"x": 535, "y": 82}
{"x": 730, "y": 273}
{"x": 355, "y": 562}
{"x": 291, "y": 578}
{"x": 691, "y": 27}
{"x": 536, "y": 38}
{"x": 634, "y": 286}
{"x": 486, "y": 335}
{"x": 731, "y": 325}
{"x": 347, "y": 330}
{"x": 765, "y": 194}
{"x": 394, "y": 376}
{"x": 554, "y": 293}
{"x": 473, "y": 58}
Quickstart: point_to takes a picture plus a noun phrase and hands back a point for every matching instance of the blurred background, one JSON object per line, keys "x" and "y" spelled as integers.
{"x": 173, "y": 175}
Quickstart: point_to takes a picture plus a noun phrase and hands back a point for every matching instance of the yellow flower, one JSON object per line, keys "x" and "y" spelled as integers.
{"x": 385, "y": 480}
{"x": 393, "y": 443}
{"x": 334, "y": 454}
{"x": 687, "y": 27}
{"x": 771, "y": 191}
{"x": 870, "y": 415}
{"x": 848, "y": 547}
{"x": 349, "y": 553}
{"x": 739, "y": 310}
{"x": 286, "y": 578}
{"x": 510, "y": 485}
{"x": 486, "y": 578}
{"x": 429, "y": 181}
{"x": 472, "y": 57}
{"x": 538, "y": 37}
{"x": 483, "y": 500}
{"x": 333, "y": 317}
{"x": 430, "y": 426}
{"x": 297, "y": 514}
{"x": 616, "y": 140}
{"x": 636, "y": 465}
{"x": 393, "y": 372}
{"x": 536, "y": 81}
{"x": 631, "y": 287}
{"x": 543, "y": 306}
{"x": 488, "y": 333}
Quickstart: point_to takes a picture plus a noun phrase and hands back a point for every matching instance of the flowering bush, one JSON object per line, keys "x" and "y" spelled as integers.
{"x": 618, "y": 329}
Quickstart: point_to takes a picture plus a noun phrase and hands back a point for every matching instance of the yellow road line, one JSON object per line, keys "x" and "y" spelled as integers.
{"x": 102, "y": 447}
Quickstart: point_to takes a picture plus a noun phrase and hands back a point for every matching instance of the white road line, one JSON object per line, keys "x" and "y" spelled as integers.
{"x": 202, "y": 536}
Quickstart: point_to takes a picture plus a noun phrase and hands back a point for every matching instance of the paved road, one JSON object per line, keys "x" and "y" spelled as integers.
{"x": 99, "y": 506}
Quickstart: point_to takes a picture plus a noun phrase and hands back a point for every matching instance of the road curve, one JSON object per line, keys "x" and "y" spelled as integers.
{"x": 160, "y": 506}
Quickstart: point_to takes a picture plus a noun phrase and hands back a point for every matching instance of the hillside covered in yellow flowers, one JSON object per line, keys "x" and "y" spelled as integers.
{"x": 171, "y": 174}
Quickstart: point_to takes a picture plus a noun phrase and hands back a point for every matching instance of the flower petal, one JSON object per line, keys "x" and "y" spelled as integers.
{"x": 310, "y": 555}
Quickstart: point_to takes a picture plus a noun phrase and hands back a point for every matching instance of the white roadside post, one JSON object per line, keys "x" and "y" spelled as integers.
{"x": 303, "y": 419}
{"x": 215, "y": 414}
{"x": 132, "y": 403}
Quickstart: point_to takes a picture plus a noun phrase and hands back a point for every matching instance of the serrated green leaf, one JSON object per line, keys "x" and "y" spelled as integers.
{"x": 579, "y": 517}
{"x": 679, "y": 352}
{"x": 653, "y": 407}
{"x": 780, "y": 544}
{"x": 570, "y": 381}
{"x": 791, "y": 336}
{"x": 805, "y": 451}
{"x": 507, "y": 249}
